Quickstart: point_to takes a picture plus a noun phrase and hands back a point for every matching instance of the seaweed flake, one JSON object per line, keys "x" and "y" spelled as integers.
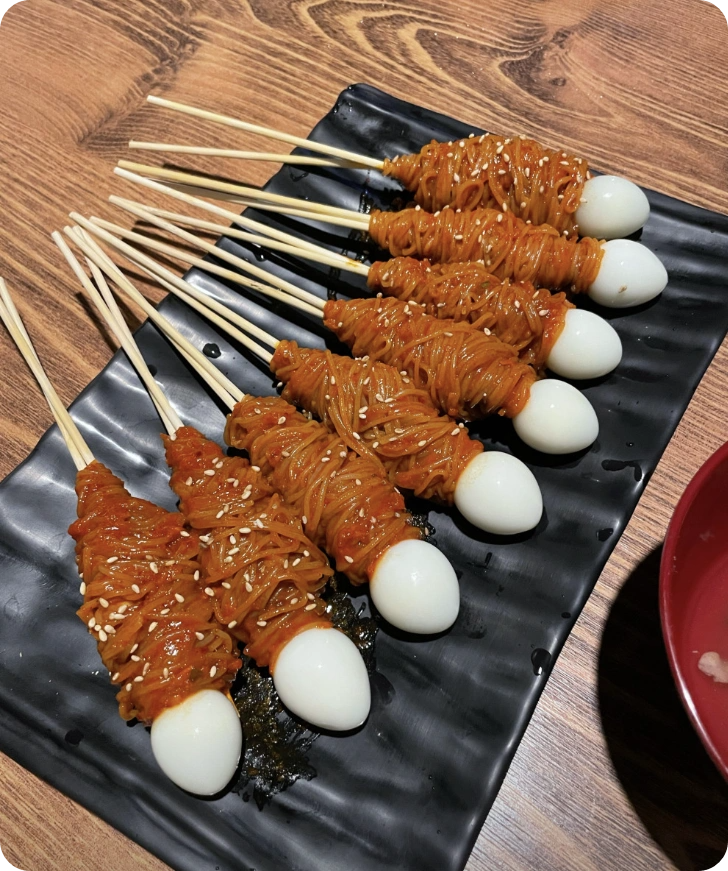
{"x": 277, "y": 744}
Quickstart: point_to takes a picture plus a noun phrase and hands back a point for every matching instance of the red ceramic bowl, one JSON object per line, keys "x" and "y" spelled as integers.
{"x": 694, "y": 600}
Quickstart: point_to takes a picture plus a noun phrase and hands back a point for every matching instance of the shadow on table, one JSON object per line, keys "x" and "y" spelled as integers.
{"x": 678, "y": 794}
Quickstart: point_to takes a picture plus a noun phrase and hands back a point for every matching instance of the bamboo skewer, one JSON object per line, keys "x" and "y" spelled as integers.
{"x": 106, "y": 305}
{"x": 234, "y": 217}
{"x": 269, "y": 133}
{"x": 77, "y": 447}
{"x": 305, "y": 301}
{"x": 290, "y": 159}
{"x": 334, "y": 214}
{"x": 222, "y": 386}
{"x": 335, "y": 260}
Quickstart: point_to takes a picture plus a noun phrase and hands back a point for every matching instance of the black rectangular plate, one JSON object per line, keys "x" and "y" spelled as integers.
{"x": 412, "y": 788}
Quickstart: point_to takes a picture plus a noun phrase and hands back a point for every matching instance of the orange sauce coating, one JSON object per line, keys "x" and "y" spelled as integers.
{"x": 538, "y": 184}
{"x": 346, "y": 501}
{"x": 154, "y": 625}
{"x": 379, "y": 412}
{"x": 262, "y": 573}
{"x": 467, "y": 373}
{"x": 529, "y": 320}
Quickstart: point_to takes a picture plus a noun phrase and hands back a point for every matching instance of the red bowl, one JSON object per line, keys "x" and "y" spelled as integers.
{"x": 694, "y": 600}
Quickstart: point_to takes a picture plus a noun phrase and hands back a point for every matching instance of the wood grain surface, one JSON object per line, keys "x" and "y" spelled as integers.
{"x": 609, "y": 775}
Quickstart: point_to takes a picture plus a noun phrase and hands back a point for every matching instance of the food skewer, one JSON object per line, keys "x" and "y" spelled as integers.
{"x": 538, "y": 184}
{"x": 377, "y": 411}
{"x": 546, "y": 329}
{"x": 346, "y": 503}
{"x": 466, "y": 373}
{"x": 153, "y": 624}
{"x": 617, "y": 273}
{"x": 262, "y": 573}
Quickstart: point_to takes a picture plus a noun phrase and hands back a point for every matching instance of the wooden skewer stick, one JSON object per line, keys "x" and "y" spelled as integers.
{"x": 225, "y": 323}
{"x": 289, "y": 159}
{"x": 109, "y": 311}
{"x": 219, "y": 383}
{"x": 105, "y": 229}
{"x": 320, "y": 255}
{"x": 267, "y": 132}
{"x": 346, "y": 217}
{"x": 184, "y": 289}
{"x": 77, "y": 447}
{"x": 305, "y": 301}
{"x": 234, "y": 217}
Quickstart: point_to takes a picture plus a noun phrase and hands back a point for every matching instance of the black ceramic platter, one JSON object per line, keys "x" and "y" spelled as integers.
{"x": 411, "y": 789}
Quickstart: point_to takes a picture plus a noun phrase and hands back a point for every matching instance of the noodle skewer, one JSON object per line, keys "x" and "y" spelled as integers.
{"x": 618, "y": 273}
{"x": 262, "y": 573}
{"x": 152, "y": 622}
{"x": 538, "y": 184}
{"x": 377, "y": 411}
{"x": 466, "y": 373}
{"x": 346, "y": 502}
{"x": 546, "y": 329}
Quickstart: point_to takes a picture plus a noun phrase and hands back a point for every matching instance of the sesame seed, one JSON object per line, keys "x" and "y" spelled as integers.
{"x": 153, "y": 626}
{"x": 500, "y": 217}
{"x": 244, "y": 530}
{"x": 325, "y": 459}
{"x": 135, "y": 658}
{"x": 258, "y": 523}
{"x": 257, "y": 411}
{"x": 166, "y": 673}
{"x": 103, "y": 603}
{"x": 209, "y": 592}
{"x": 164, "y": 612}
{"x": 200, "y": 636}
{"x": 505, "y": 207}
{"x": 219, "y": 515}
{"x": 82, "y": 588}
{"x": 135, "y": 648}
{"x": 422, "y": 443}
{"x": 375, "y": 445}
{"x": 209, "y": 472}
{"x": 455, "y": 432}
{"x": 285, "y": 564}
{"x": 138, "y": 679}
{"x": 294, "y": 601}
{"x": 281, "y": 419}
{"x": 349, "y": 559}
{"x": 129, "y": 687}
{"x": 304, "y": 520}
{"x": 543, "y": 313}
{"x": 196, "y": 575}
{"x": 91, "y": 623}
{"x": 357, "y": 436}
{"x": 147, "y": 666}
{"x": 262, "y": 623}
{"x": 234, "y": 551}
{"x": 296, "y": 561}
{"x": 227, "y": 585}
{"x": 249, "y": 586}
{"x": 102, "y": 635}
{"x": 112, "y": 559}
{"x": 232, "y": 624}
{"x": 458, "y": 237}
{"x": 228, "y": 559}
{"x": 110, "y": 629}
{"x": 487, "y": 331}
{"x": 188, "y": 482}
{"x": 154, "y": 568}
{"x": 213, "y": 671}
{"x": 310, "y": 607}
{"x": 115, "y": 677}
{"x": 306, "y": 553}
{"x": 517, "y": 304}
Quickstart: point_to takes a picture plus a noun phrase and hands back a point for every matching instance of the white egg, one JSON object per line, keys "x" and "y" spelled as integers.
{"x": 197, "y": 743}
{"x": 557, "y": 419}
{"x": 414, "y": 587}
{"x": 321, "y": 677}
{"x": 611, "y": 207}
{"x": 498, "y": 493}
{"x": 588, "y": 347}
{"x": 629, "y": 274}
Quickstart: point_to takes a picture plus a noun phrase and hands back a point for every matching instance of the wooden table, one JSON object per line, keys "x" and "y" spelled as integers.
{"x": 609, "y": 775}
